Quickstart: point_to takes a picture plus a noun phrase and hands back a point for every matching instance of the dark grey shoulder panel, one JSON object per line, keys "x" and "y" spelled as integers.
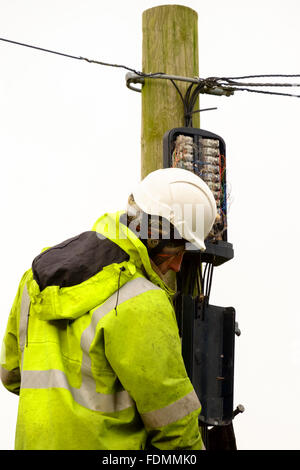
{"x": 75, "y": 260}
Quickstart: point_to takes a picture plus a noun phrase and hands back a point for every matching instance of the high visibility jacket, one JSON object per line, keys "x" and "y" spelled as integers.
{"x": 92, "y": 348}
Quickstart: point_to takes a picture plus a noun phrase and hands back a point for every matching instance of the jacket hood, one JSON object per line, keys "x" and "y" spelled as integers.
{"x": 110, "y": 226}
{"x": 79, "y": 274}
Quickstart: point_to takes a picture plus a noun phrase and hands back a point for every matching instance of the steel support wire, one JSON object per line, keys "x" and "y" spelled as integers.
{"x": 212, "y": 85}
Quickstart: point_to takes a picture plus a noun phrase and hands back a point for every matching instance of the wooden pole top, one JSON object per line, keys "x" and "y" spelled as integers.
{"x": 170, "y": 46}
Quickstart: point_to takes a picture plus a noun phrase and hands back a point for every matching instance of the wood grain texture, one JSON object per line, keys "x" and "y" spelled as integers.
{"x": 170, "y": 45}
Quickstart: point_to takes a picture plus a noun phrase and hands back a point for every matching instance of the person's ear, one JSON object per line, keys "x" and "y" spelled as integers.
{"x": 151, "y": 243}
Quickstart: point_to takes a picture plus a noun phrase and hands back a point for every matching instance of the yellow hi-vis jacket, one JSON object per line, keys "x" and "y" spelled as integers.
{"x": 92, "y": 348}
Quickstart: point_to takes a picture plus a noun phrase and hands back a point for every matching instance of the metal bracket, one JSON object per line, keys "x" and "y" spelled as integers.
{"x": 236, "y": 329}
{"x": 134, "y": 78}
{"x": 217, "y": 90}
{"x": 239, "y": 409}
{"x": 210, "y": 88}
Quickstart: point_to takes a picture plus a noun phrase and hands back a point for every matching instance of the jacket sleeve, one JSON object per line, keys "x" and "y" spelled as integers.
{"x": 10, "y": 355}
{"x": 143, "y": 346}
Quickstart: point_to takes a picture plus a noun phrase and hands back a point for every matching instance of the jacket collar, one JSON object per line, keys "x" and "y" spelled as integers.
{"x": 110, "y": 226}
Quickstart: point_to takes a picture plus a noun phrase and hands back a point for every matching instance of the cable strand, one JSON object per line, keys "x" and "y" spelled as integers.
{"x": 202, "y": 85}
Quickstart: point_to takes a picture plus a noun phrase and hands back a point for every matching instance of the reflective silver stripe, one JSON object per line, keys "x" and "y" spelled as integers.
{"x": 24, "y": 311}
{"x": 128, "y": 291}
{"x": 87, "y": 395}
{"x": 171, "y": 413}
{"x": 84, "y": 395}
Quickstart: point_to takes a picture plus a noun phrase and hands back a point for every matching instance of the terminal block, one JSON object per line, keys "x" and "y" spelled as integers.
{"x": 203, "y": 153}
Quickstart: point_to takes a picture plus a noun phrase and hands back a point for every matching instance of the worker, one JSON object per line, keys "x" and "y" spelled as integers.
{"x": 92, "y": 345}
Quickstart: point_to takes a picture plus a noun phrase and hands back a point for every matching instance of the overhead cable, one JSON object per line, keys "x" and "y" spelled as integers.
{"x": 211, "y": 85}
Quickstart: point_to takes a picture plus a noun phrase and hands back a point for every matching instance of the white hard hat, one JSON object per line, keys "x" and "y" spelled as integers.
{"x": 181, "y": 197}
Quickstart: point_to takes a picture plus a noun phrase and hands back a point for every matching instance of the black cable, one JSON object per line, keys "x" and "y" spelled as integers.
{"x": 195, "y": 95}
{"x": 40, "y": 48}
{"x": 201, "y": 276}
{"x": 121, "y": 269}
{"x": 187, "y": 116}
{"x": 182, "y": 99}
{"x": 205, "y": 279}
{"x": 230, "y": 82}
{"x": 82, "y": 58}
{"x": 260, "y": 76}
{"x": 180, "y": 94}
{"x": 267, "y": 92}
{"x": 208, "y": 85}
{"x": 210, "y": 280}
{"x": 189, "y": 102}
{"x": 193, "y": 100}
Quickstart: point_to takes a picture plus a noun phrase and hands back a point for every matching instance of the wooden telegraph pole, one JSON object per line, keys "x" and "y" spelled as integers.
{"x": 170, "y": 45}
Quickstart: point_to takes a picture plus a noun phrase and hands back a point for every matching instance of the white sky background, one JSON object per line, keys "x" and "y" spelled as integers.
{"x": 70, "y": 151}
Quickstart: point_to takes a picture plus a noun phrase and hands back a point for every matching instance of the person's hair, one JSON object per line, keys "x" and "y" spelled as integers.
{"x": 154, "y": 231}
